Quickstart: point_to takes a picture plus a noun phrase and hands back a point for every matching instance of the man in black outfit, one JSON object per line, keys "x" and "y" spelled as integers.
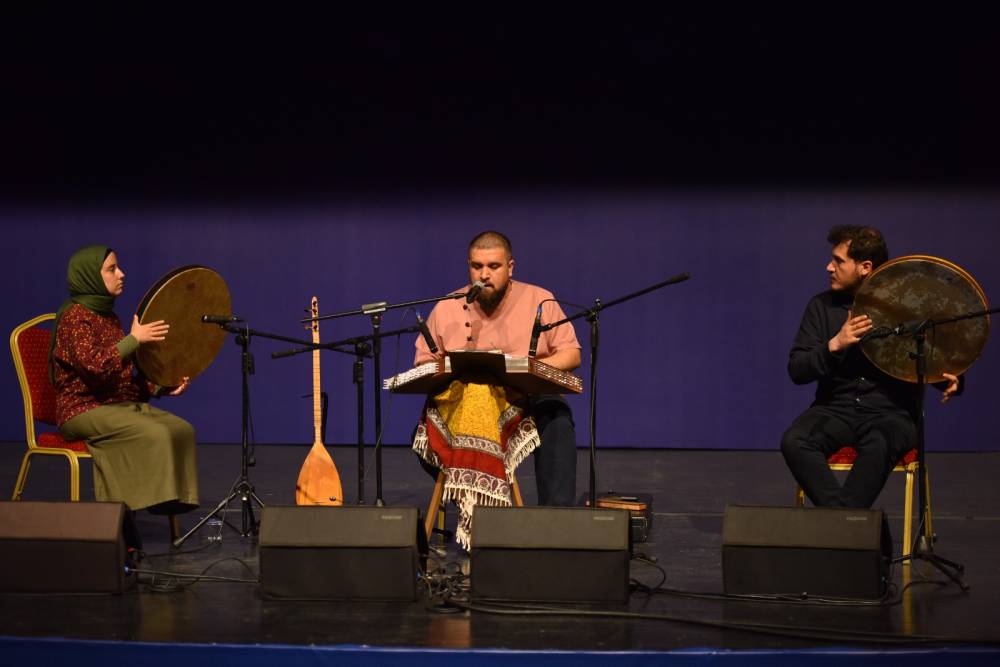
{"x": 856, "y": 403}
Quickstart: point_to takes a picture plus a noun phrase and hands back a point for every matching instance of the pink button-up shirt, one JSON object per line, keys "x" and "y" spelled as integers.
{"x": 455, "y": 325}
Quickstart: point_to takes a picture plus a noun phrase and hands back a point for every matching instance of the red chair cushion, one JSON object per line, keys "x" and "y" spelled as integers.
{"x": 53, "y": 439}
{"x": 33, "y": 346}
{"x": 846, "y": 456}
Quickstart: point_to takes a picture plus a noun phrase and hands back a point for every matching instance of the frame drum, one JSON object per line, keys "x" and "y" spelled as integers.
{"x": 180, "y": 298}
{"x": 915, "y": 288}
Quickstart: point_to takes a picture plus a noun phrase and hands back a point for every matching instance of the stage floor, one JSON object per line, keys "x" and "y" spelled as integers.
{"x": 690, "y": 490}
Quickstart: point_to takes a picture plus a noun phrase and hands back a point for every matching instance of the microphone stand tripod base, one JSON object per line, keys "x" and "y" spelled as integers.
{"x": 923, "y": 550}
{"x": 245, "y": 491}
{"x": 242, "y": 489}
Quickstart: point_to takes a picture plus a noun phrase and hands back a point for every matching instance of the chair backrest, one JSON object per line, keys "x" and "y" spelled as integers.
{"x": 29, "y": 345}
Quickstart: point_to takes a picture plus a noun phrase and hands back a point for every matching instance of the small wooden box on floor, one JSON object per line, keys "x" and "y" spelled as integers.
{"x": 820, "y": 552}
{"x": 339, "y": 553}
{"x": 552, "y": 554}
{"x": 62, "y": 547}
{"x": 639, "y": 506}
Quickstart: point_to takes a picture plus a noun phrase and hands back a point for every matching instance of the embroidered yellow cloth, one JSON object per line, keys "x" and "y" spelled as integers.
{"x": 477, "y": 437}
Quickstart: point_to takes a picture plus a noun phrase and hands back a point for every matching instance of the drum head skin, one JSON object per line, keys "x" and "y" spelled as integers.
{"x": 915, "y": 288}
{"x": 180, "y": 298}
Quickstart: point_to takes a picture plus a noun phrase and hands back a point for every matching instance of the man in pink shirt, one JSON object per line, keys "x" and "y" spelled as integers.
{"x": 501, "y": 318}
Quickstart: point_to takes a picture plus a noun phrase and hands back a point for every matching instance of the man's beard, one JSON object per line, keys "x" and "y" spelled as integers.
{"x": 489, "y": 300}
{"x": 854, "y": 286}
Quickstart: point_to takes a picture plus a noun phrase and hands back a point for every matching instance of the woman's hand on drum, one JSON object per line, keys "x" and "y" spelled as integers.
{"x": 181, "y": 388}
{"x": 149, "y": 332}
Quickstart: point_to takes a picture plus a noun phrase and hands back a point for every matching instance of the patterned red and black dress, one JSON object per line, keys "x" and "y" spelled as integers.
{"x": 143, "y": 456}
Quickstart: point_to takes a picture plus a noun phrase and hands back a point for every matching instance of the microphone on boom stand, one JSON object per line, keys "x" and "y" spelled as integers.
{"x": 536, "y": 330}
{"x": 426, "y": 333}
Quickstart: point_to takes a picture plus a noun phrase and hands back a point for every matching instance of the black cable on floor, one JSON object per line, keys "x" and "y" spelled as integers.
{"x": 172, "y": 585}
{"x": 795, "y": 632}
{"x": 891, "y": 597}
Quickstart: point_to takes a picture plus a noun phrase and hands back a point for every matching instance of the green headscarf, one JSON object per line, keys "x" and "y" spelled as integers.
{"x": 86, "y": 287}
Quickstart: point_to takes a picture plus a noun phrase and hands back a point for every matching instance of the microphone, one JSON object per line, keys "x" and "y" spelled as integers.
{"x": 426, "y": 333}
{"x": 536, "y": 330}
{"x": 911, "y": 328}
{"x": 876, "y": 333}
{"x": 220, "y": 319}
{"x": 474, "y": 291}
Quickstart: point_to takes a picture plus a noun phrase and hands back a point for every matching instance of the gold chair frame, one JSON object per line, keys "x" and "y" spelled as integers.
{"x": 71, "y": 455}
{"x": 910, "y": 469}
{"x": 435, "y": 511}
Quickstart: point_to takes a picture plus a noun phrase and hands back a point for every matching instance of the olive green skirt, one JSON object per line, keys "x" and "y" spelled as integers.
{"x": 143, "y": 456}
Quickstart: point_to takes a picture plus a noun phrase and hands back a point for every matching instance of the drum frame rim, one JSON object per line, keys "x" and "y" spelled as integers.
{"x": 950, "y": 265}
{"x": 158, "y": 286}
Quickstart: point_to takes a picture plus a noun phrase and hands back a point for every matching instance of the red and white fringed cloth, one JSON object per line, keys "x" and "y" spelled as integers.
{"x": 472, "y": 433}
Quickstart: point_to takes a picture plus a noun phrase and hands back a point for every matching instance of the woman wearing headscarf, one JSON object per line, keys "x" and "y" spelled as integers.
{"x": 143, "y": 456}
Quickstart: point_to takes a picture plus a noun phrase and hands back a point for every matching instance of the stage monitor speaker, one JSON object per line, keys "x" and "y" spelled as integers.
{"x": 339, "y": 553}
{"x": 62, "y": 547}
{"x": 820, "y": 552}
{"x": 550, "y": 554}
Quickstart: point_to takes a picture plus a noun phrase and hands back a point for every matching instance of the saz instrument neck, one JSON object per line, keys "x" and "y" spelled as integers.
{"x": 316, "y": 392}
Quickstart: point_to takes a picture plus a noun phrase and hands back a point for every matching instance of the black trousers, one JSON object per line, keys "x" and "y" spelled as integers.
{"x": 555, "y": 457}
{"x": 880, "y": 438}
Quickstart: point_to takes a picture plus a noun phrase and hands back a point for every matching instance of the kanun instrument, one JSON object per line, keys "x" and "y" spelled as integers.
{"x": 915, "y": 288}
{"x": 525, "y": 374}
{"x": 180, "y": 298}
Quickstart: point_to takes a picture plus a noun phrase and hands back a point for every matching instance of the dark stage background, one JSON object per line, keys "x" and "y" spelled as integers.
{"x": 353, "y": 157}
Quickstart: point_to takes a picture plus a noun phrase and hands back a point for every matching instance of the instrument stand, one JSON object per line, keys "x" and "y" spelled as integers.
{"x": 592, "y": 316}
{"x": 374, "y": 311}
{"x": 595, "y": 331}
{"x": 242, "y": 489}
{"x": 361, "y": 350}
{"x": 923, "y": 549}
{"x": 365, "y": 346}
